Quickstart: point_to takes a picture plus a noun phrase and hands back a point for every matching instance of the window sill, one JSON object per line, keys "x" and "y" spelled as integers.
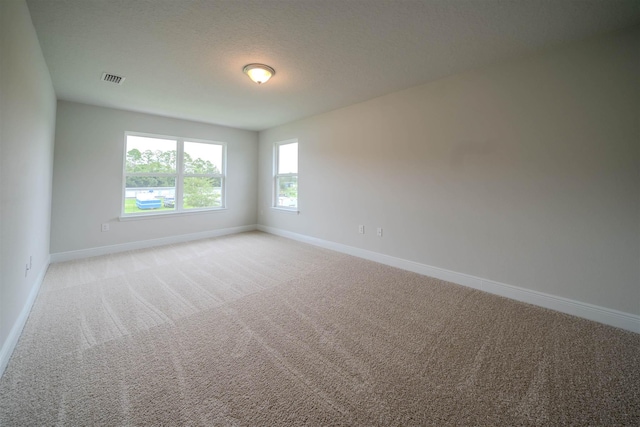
{"x": 168, "y": 214}
{"x": 294, "y": 211}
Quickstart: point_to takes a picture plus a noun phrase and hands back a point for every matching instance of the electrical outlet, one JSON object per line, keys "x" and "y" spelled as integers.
{"x": 105, "y": 227}
{"x": 361, "y": 229}
{"x": 379, "y": 231}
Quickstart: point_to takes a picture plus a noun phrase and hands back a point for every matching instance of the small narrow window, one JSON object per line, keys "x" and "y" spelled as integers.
{"x": 286, "y": 175}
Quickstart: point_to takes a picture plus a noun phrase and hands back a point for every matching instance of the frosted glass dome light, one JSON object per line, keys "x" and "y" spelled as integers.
{"x": 259, "y": 73}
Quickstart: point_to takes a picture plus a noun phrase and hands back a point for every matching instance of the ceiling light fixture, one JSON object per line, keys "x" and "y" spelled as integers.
{"x": 259, "y": 73}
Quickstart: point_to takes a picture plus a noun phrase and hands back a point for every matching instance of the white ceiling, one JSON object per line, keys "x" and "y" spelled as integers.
{"x": 184, "y": 58}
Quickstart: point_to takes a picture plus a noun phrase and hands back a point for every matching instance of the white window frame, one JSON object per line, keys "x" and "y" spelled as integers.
{"x": 179, "y": 175}
{"x": 276, "y": 175}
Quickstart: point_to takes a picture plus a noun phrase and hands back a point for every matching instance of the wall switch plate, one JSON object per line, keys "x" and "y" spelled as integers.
{"x": 361, "y": 229}
{"x": 379, "y": 231}
{"x": 105, "y": 227}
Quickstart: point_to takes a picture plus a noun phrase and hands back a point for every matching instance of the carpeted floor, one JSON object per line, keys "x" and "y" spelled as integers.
{"x": 257, "y": 330}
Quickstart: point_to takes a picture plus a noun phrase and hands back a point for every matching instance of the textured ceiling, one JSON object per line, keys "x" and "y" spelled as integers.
{"x": 184, "y": 58}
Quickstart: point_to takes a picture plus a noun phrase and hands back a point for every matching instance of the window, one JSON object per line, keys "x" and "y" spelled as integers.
{"x": 164, "y": 175}
{"x": 286, "y": 175}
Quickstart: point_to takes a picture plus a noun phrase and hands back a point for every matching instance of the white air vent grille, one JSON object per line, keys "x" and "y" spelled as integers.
{"x": 112, "y": 78}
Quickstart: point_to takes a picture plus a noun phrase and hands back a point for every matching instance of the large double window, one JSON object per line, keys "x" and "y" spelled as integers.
{"x": 164, "y": 175}
{"x": 286, "y": 175}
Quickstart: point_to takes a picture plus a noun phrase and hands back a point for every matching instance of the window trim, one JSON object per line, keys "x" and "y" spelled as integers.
{"x": 179, "y": 176}
{"x": 276, "y": 175}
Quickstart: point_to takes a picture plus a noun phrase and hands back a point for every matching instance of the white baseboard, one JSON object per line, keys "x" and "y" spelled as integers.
{"x": 619, "y": 319}
{"x": 14, "y": 335}
{"x": 123, "y": 247}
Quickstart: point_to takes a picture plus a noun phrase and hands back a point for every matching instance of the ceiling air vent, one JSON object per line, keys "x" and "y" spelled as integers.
{"x": 112, "y": 78}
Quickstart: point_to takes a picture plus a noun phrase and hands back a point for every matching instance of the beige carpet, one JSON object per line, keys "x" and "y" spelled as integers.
{"x": 257, "y": 330}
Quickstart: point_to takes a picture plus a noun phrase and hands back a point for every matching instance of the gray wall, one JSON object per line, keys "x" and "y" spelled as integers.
{"x": 27, "y": 124}
{"x": 525, "y": 173}
{"x": 87, "y": 178}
